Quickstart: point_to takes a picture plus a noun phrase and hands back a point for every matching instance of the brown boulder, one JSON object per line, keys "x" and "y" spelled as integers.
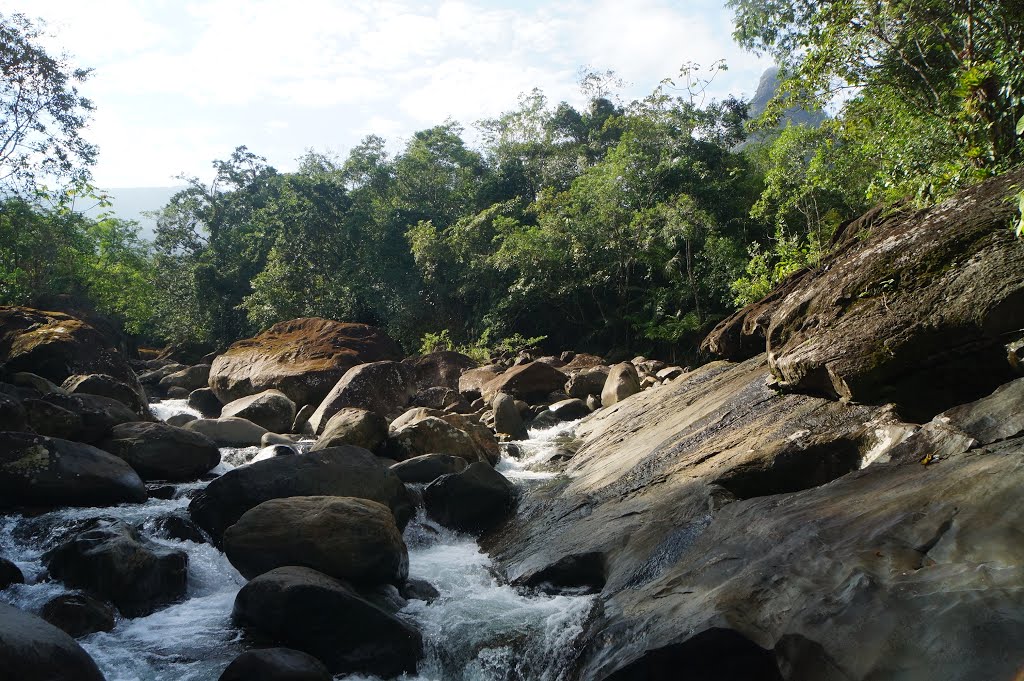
{"x": 352, "y": 426}
{"x": 472, "y": 381}
{"x": 381, "y": 387}
{"x": 531, "y": 381}
{"x": 303, "y": 358}
{"x": 439, "y": 369}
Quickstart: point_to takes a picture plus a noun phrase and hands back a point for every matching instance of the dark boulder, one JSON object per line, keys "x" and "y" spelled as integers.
{"x": 229, "y": 431}
{"x": 46, "y": 472}
{"x": 475, "y": 500}
{"x": 187, "y": 379}
{"x": 12, "y": 413}
{"x": 159, "y": 451}
{"x": 303, "y": 358}
{"x": 310, "y": 611}
{"x": 428, "y": 467}
{"x": 352, "y": 426}
{"x": 586, "y": 382}
{"x": 205, "y": 402}
{"x": 381, "y": 387}
{"x": 507, "y": 420}
{"x": 110, "y": 558}
{"x": 177, "y": 525}
{"x": 79, "y": 614}
{"x": 432, "y": 435}
{"x": 9, "y": 574}
{"x": 32, "y": 649}
{"x": 108, "y": 386}
{"x": 339, "y": 471}
{"x": 275, "y": 664}
{"x": 270, "y": 409}
{"x": 530, "y": 382}
{"x": 344, "y": 537}
{"x": 439, "y": 369}
{"x": 98, "y": 414}
{"x": 51, "y": 420}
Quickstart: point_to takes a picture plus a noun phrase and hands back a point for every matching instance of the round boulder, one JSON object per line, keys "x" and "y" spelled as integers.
{"x": 205, "y": 402}
{"x": 622, "y": 382}
{"x": 160, "y": 451}
{"x": 79, "y": 614}
{"x": 381, "y": 387}
{"x": 32, "y": 649}
{"x": 439, "y": 369}
{"x": 270, "y": 409}
{"x": 352, "y": 426}
{"x": 276, "y": 664}
{"x": 475, "y": 500}
{"x": 344, "y": 537}
{"x": 12, "y": 413}
{"x": 507, "y": 420}
{"x": 108, "y": 386}
{"x": 530, "y": 382}
{"x": 46, "y": 472}
{"x": 428, "y": 467}
{"x": 9, "y": 574}
{"x": 229, "y": 431}
{"x": 313, "y": 612}
{"x": 429, "y": 436}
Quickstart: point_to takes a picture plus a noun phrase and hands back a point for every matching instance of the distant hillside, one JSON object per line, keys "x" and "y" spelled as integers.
{"x": 131, "y": 203}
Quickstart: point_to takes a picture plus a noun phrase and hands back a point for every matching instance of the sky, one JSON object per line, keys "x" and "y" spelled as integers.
{"x": 178, "y": 84}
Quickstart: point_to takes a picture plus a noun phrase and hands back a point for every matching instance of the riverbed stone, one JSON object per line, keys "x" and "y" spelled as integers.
{"x": 270, "y": 409}
{"x": 110, "y": 558}
{"x": 229, "y": 431}
{"x": 622, "y": 382}
{"x": 275, "y": 664}
{"x": 46, "y": 472}
{"x": 472, "y": 381}
{"x": 79, "y": 614}
{"x": 343, "y": 471}
{"x": 9, "y": 574}
{"x": 439, "y": 369}
{"x": 507, "y": 420}
{"x": 381, "y": 387}
{"x": 428, "y": 467}
{"x": 160, "y": 451}
{"x": 323, "y": 616}
{"x": 188, "y": 379}
{"x": 351, "y": 539}
{"x": 474, "y": 500}
{"x": 353, "y": 426}
{"x": 431, "y": 435}
{"x": 531, "y": 382}
{"x": 32, "y": 649}
{"x": 205, "y": 402}
{"x": 108, "y": 386}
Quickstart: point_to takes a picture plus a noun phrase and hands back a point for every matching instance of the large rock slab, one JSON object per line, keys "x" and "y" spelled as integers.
{"x": 270, "y": 409}
{"x": 158, "y": 451}
{"x": 45, "y": 472}
{"x": 32, "y": 649}
{"x": 310, "y": 611}
{"x": 110, "y": 558}
{"x": 303, "y": 358}
{"x": 723, "y": 518}
{"x": 909, "y": 306}
{"x": 384, "y": 388}
{"x": 351, "y": 539}
{"x": 339, "y": 471}
{"x": 56, "y": 345}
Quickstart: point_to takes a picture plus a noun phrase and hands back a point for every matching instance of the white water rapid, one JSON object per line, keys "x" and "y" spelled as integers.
{"x": 477, "y": 630}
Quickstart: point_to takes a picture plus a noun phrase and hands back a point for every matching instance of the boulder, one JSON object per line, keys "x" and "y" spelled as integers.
{"x": 310, "y": 611}
{"x": 428, "y": 467}
{"x": 79, "y": 614}
{"x": 179, "y": 420}
{"x": 301, "y": 422}
{"x": 160, "y": 451}
{"x": 419, "y": 590}
{"x": 98, "y": 414}
{"x": 9, "y": 574}
{"x": 229, "y": 431}
{"x": 12, "y": 413}
{"x": 588, "y": 381}
{"x": 56, "y": 345}
{"x": 569, "y": 410}
{"x": 110, "y": 558}
{"x": 431, "y": 435}
{"x": 177, "y": 525}
{"x": 352, "y": 539}
{"x": 32, "y": 649}
{"x": 48, "y": 419}
{"x": 439, "y": 369}
{"x": 151, "y": 378}
{"x": 622, "y": 382}
{"x": 36, "y": 383}
{"x": 303, "y": 358}
{"x": 412, "y": 415}
{"x": 531, "y": 381}
{"x": 582, "y": 361}
{"x": 190, "y": 378}
{"x": 475, "y": 500}
{"x": 343, "y": 471}
{"x": 486, "y": 444}
{"x": 108, "y": 386}
{"x": 472, "y": 381}
{"x": 275, "y": 664}
{"x": 670, "y": 373}
{"x": 440, "y": 398}
{"x": 205, "y": 402}
{"x": 909, "y": 306}
{"x": 45, "y": 472}
{"x": 269, "y": 439}
{"x": 507, "y": 420}
{"x": 352, "y": 426}
{"x": 270, "y": 409}
{"x": 381, "y": 387}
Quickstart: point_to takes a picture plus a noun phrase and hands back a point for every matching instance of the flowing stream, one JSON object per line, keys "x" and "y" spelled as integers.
{"x": 477, "y": 630}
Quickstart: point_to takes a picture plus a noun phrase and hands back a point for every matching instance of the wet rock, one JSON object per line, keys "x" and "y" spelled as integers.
{"x": 9, "y": 574}
{"x": 110, "y": 558}
{"x": 323, "y": 616}
{"x": 188, "y": 379}
{"x": 347, "y": 538}
{"x": 32, "y": 649}
{"x": 529, "y": 382}
{"x": 999, "y": 416}
{"x": 47, "y": 472}
{"x": 275, "y": 664}
{"x": 419, "y": 590}
{"x": 178, "y": 526}
{"x": 160, "y": 451}
{"x": 12, "y": 414}
{"x": 569, "y": 410}
{"x": 486, "y": 444}
{"x": 108, "y": 386}
{"x": 270, "y": 439}
{"x": 622, "y": 382}
{"x": 506, "y": 417}
{"x": 303, "y": 358}
{"x": 48, "y": 419}
{"x": 229, "y": 431}
{"x": 179, "y": 420}
{"x": 270, "y": 409}
{"x": 205, "y": 402}
{"x": 428, "y": 467}
{"x": 475, "y": 500}
{"x": 352, "y": 426}
{"x": 97, "y": 414}
{"x": 439, "y": 369}
{"x": 580, "y": 573}
{"x": 430, "y": 436}
{"x": 343, "y": 471}
{"x": 381, "y": 387}
{"x": 79, "y": 614}
{"x": 586, "y": 382}
{"x": 712, "y": 655}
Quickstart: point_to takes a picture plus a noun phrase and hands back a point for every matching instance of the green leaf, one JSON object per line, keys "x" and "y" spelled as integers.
{"x": 1020, "y": 126}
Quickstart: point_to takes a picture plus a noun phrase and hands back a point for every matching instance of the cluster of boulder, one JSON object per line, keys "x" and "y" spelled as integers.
{"x": 323, "y": 526}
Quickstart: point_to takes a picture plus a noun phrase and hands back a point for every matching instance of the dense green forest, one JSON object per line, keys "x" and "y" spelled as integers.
{"x": 614, "y": 227}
